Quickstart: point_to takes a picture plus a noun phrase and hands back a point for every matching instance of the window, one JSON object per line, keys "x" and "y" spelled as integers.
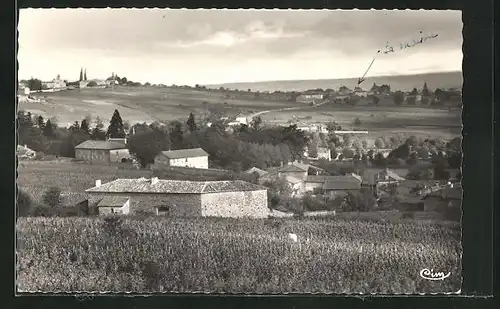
{"x": 162, "y": 210}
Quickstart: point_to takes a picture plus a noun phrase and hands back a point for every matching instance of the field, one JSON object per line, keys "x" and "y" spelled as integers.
{"x": 146, "y": 104}
{"x": 235, "y": 256}
{"x": 73, "y": 178}
{"x": 139, "y": 104}
{"x": 380, "y": 121}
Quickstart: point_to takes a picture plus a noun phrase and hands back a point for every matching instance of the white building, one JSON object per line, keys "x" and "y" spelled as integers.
{"x": 194, "y": 158}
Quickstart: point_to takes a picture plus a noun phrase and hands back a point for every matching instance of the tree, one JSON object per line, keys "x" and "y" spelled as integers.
{"x": 24, "y": 203}
{"x": 85, "y": 75}
{"x": 48, "y": 129}
{"x": 115, "y": 128}
{"x": 84, "y": 127}
{"x": 256, "y": 123}
{"x": 28, "y": 134}
{"x": 176, "y": 135}
{"x": 347, "y": 153}
{"x": 52, "y": 197}
{"x": 145, "y": 145}
{"x": 81, "y": 74}
{"x": 75, "y": 127}
{"x": 425, "y": 90}
{"x": 398, "y": 97}
{"x": 34, "y": 84}
{"x": 98, "y": 133}
{"x": 67, "y": 147}
{"x": 191, "y": 123}
{"x": 40, "y": 122}
{"x": 379, "y": 143}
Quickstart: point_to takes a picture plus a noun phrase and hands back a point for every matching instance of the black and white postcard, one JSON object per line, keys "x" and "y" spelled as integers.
{"x": 239, "y": 151}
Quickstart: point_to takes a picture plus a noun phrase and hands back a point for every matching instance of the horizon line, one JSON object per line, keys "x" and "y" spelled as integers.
{"x": 305, "y": 80}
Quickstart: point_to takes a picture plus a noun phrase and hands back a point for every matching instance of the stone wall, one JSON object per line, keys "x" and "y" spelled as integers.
{"x": 235, "y": 204}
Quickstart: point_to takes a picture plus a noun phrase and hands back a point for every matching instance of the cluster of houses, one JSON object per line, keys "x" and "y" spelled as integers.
{"x": 416, "y": 195}
{"x": 239, "y": 198}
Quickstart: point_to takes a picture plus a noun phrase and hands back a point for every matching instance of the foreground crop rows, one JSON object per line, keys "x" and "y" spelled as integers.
{"x": 234, "y": 256}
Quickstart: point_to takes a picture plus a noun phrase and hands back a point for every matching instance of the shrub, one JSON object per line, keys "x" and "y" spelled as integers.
{"x": 357, "y": 122}
{"x": 41, "y": 211}
{"x": 24, "y": 203}
{"x": 52, "y": 197}
{"x": 379, "y": 143}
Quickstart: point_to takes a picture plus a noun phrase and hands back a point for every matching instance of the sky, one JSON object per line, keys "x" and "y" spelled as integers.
{"x": 188, "y": 47}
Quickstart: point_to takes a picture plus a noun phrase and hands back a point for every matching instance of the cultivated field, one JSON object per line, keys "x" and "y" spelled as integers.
{"x": 234, "y": 256}
{"x": 380, "y": 121}
{"x": 139, "y": 104}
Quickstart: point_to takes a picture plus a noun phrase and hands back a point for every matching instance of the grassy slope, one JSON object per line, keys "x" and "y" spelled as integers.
{"x": 224, "y": 255}
{"x": 139, "y": 104}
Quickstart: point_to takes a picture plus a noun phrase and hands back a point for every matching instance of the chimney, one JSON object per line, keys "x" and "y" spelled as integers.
{"x": 98, "y": 183}
{"x": 154, "y": 180}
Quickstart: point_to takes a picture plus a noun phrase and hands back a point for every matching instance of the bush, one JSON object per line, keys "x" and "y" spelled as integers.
{"x": 52, "y": 197}
{"x": 379, "y": 143}
{"x": 357, "y": 122}
{"x": 41, "y": 211}
{"x": 24, "y": 203}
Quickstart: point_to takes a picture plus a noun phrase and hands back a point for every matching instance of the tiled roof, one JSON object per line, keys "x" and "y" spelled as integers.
{"x": 112, "y": 201}
{"x": 294, "y": 167}
{"x": 164, "y": 186}
{"x": 341, "y": 185}
{"x": 185, "y": 153}
{"x": 320, "y": 178}
{"x": 256, "y": 170}
{"x": 100, "y": 145}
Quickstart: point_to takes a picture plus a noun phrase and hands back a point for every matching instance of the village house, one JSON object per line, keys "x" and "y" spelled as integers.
{"x": 255, "y": 170}
{"x": 193, "y": 157}
{"x": 360, "y": 92}
{"x": 295, "y": 170}
{"x": 449, "y": 196}
{"x": 24, "y": 152}
{"x": 309, "y": 97}
{"x": 332, "y": 185}
{"x": 182, "y": 198}
{"x": 323, "y": 153}
{"x": 102, "y": 152}
{"x": 373, "y": 176}
{"x": 54, "y": 85}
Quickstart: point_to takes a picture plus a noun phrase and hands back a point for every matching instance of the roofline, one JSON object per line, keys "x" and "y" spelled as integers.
{"x": 128, "y": 192}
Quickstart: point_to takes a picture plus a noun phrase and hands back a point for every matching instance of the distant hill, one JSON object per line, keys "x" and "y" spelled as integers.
{"x": 397, "y": 82}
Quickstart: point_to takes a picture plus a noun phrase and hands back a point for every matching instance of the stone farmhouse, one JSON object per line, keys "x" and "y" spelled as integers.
{"x": 194, "y": 158}
{"x": 182, "y": 198}
{"x": 103, "y": 152}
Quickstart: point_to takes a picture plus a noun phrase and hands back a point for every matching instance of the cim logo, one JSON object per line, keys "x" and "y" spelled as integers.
{"x": 431, "y": 275}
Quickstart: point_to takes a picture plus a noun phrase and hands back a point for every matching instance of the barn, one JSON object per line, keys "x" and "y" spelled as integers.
{"x": 102, "y": 152}
{"x": 233, "y": 199}
{"x": 194, "y": 157}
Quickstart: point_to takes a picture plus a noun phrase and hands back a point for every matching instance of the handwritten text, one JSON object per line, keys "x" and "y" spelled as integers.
{"x": 390, "y": 49}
